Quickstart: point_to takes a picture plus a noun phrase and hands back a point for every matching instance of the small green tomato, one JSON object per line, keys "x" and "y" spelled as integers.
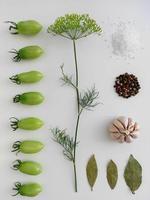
{"x": 30, "y": 123}
{"x": 27, "y": 167}
{"x": 29, "y": 98}
{"x": 27, "y": 53}
{"x": 27, "y": 146}
{"x": 28, "y": 27}
{"x": 27, "y": 77}
{"x": 28, "y": 189}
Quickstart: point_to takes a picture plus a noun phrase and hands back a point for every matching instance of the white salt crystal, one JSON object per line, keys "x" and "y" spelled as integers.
{"x": 125, "y": 40}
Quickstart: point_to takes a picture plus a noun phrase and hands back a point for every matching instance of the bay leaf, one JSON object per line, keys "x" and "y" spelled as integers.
{"x": 133, "y": 174}
{"x": 92, "y": 171}
{"x": 112, "y": 174}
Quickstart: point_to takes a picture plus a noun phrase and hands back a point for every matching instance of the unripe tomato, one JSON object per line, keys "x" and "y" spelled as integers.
{"x": 30, "y": 123}
{"x": 27, "y": 27}
{"x": 28, "y": 189}
{"x": 27, "y": 146}
{"x": 27, "y": 53}
{"x": 29, "y": 98}
{"x": 28, "y": 167}
{"x": 27, "y": 77}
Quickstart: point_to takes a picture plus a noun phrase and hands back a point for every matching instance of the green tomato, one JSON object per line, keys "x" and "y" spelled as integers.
{"x": 28, "y": 27}
{"x": 27, "y": 77}
{"x": 30, "y": 123}
{"x": 28, "y": 189}
{"x": 28, "y": 167}
{"x": 27, "y": 53}
{"x": 30, "y": 52}
{"x": 27, "y": 146}
{"x": 29, "y": 98}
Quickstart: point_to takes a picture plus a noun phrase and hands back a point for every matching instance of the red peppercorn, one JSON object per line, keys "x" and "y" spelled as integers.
{"x": 127, "y": 85}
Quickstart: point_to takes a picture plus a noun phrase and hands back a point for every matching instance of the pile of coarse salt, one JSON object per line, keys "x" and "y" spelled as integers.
{"x": 125, "y": 40}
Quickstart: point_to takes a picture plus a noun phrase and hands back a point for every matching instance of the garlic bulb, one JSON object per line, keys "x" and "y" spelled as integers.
{"x": 124, "y": 129}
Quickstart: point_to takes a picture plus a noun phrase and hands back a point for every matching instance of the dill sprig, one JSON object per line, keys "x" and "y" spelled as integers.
{"x": 74, "y": 26}
{"x": 88, "y": 99}
{"x": 66, "y": 79}
{"x": 65, "y": 141}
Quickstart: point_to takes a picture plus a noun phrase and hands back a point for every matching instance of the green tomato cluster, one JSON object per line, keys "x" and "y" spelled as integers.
{"x": 28, "y": 167}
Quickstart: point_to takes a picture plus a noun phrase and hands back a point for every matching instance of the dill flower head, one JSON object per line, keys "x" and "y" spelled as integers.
{"x": 74, "y": 26}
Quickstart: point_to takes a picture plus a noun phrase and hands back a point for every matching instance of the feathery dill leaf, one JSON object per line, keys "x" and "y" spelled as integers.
{"x": 67, "y": 80}
{"x": 65, "y": 141}
{"x": 88, "y": 99}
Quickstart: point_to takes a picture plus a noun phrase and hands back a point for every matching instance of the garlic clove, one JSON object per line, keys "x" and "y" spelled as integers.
{"x": 117, "y": 124}
{"x": 135, "y": 134}
{"x": 136, "y": 127}
{"x": 124, "y": 121}
{"x": 131, "y": 129}
{"x": 121, "y": 139}
{"x": 115, "y": 136}
{"x": 128, "y": 139}
{"x": 113, "y": 129}
{"x": 131, "y": 124}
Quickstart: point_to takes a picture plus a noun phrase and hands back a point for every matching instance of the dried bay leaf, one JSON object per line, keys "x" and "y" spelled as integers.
{"x": 133, "y": 174}
{"x": 112, "y": 174}
{"x": 92, "y": 171}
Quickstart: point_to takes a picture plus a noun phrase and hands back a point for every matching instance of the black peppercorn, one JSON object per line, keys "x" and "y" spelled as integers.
{"x": 127, "y": 85}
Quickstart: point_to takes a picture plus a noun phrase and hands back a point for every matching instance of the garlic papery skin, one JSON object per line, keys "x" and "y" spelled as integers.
{"x": 124, "y": 129}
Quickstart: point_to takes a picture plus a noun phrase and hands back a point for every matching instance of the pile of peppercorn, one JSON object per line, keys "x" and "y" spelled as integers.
{"x": 127, "y": 85}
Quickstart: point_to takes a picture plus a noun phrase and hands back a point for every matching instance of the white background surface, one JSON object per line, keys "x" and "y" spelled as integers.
{"x": 96, "y": 65}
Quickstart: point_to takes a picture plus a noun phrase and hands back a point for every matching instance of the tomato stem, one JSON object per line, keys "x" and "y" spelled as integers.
{"x": 16, "y": 164}
{"x": 13, "y": 26}
{"x": 16, "y": 147}
{"x": 17, "y": 188}
{"x": 16, "y": 99}
{"x": 17, "y": 57}
{"x": 14, "y": 123}
{"x": 15, "y": 79}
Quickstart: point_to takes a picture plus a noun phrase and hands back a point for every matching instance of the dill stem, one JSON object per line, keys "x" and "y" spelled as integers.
{"x": 78, "y": 117}
{"x": 75, "y": 177}
{"x": 74, "y": 153}
{"x": 77, "y": 74}
{"x": 76, "y": 134}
